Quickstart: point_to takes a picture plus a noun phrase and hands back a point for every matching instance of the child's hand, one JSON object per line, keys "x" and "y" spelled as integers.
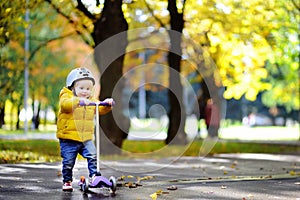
{"x": 85, "y": 101}
{"x": 109, "y": 101}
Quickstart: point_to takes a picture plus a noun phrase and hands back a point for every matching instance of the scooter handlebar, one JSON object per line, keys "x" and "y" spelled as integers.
{"x": 100, "y": 103}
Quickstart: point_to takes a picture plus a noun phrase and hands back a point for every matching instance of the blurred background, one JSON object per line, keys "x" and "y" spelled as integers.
{"x": 248, "y": 48}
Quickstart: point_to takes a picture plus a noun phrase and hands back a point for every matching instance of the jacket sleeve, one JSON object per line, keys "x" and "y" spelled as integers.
{"x": 104, "y": 109}
{"x": 68, "y": 103}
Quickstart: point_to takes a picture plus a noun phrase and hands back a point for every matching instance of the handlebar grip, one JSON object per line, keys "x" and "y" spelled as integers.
{"x": 101, "y": 103}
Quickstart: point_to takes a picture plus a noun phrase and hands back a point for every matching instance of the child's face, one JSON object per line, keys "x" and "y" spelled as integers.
{"x": 83, "y": 88}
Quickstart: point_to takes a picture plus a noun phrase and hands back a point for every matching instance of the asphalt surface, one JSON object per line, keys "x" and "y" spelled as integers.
{"x": 227, "y": 176}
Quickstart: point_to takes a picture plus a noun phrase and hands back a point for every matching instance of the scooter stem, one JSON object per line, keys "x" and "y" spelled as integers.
{"x": 97, "y": 138}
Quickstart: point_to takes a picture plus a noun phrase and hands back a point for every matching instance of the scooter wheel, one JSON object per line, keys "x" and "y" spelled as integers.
{"x": 82, "y": 179}
{"x": 113, "y": 184}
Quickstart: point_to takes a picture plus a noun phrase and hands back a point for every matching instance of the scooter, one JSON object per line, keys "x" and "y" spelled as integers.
{"x": 98, "y": 181}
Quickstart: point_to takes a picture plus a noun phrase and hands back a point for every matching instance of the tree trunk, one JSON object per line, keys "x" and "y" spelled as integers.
{"x": 2, "y": 115}
{"x": 111, "y": 42}
{"x": 36, "y": 117}
{"x": 18, "y": 119}
{"x": 177, "y": 115}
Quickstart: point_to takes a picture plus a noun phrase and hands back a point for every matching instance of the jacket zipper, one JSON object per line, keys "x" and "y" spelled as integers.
{"x": 83, "y": 117}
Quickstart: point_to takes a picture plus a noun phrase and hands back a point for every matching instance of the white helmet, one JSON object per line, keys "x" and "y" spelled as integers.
{"x": 79, "y": 74}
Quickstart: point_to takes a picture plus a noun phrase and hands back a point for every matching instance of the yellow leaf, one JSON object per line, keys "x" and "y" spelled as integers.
{"x": 7, "y": 10}
{"x": 295, "y": 65}
{"x": 292, "y": 173}
{"x": 159, "y": 192}
{"x": 122, "y": 178}
{"x": 146, "y": 178}
{"x": 251, "y": 94}
{"x": 153, "y": 196}
{"x": 261, "y": 72}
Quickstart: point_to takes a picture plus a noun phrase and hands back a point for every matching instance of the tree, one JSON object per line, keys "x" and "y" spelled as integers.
{"x": 236, "y": 43}
{"x": 177, "y": 115}
{"x": 48, "y": 54}
{"x": 96, "y": 31}
{"x": 284, "y": 41}
{"x": 250, "y": 50}
{"x": 109, "y": 57}
{"x": 10, "y": 74}
{"x": 239, "y": 45}
{"x": 11, "y": 78}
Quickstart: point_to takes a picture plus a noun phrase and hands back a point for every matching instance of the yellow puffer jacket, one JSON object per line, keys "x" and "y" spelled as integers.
{"x": 76, "y": 122}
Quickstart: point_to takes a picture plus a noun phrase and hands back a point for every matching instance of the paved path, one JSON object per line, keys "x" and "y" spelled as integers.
{"x": 227, "y": 176}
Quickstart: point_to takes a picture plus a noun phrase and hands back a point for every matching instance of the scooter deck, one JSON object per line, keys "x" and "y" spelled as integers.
{"x": 98, "y": 182}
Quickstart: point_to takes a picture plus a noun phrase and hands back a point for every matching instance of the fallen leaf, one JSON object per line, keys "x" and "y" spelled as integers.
{"x": 128, "y": 184}
{"x": 172, "y": 187}
{"x": 133, "y": 186}
{"x": 292, "y": 173}
{"x": 121, "y": 178}
{"x": 159, "y": 192}
{"x": 59, "y": 173}
{"x": 250, "y": 195}
{"x": 208, "y": 192}
{"x": 153, "y": 196}
{"x": 138, "y": 184}
{"x": 146, "y": 178}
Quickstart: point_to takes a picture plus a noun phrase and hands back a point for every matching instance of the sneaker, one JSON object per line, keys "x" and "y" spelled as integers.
{"x": 67, "y": 186}
{"x": 91, "y": 179}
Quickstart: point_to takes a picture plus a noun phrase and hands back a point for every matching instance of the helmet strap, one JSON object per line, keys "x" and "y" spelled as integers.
{"x": 74, "y": 92}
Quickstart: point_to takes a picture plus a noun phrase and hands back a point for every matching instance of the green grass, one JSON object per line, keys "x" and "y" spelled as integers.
{"x": 21, "y": 131}
{"x": 17, "y": 151}
{"x": 197, "y": 148}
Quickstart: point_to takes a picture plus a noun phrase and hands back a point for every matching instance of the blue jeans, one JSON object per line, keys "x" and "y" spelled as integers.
{"x": 69, "y": 150}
